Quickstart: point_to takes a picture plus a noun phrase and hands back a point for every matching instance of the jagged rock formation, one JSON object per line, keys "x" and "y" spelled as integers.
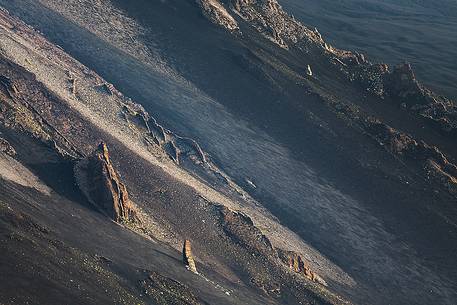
{"x": 100, "y": 183}
{"x": 241, "y": 229}
{"x": 433, "y": 161}
{"x": 216, "y": 12}
{"x": 268, "y": 17}
{"x": 401, "y": 84}
{"x": 401, "y": 87}
{"x": 298, "y": 265}
{"x": 182, "y": 150}
{"x": 177, "y": 147}
{"x": 5, "y": 147}
{"x": 188, "y": 257}
{"x": 17, "y": 114}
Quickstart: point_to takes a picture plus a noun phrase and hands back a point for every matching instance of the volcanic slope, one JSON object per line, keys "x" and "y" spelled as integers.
{"x": 95, "y": 204}
{"x": 354, "y": 157}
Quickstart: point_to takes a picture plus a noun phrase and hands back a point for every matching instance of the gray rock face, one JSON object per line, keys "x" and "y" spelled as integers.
{"x": 217, "y": 13}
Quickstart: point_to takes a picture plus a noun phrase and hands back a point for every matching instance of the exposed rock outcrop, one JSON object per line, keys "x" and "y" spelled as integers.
{"x": 100, "y": 183}
{"x": 177, "y": 147}
{"x": 432, "y": 160}
{"x": 217, "y": 13}
{"x": 140, "y": 120}
{"x": 399, "y": 85}
{"x": 298, "y": 265}
{"x": 404, "y": 88}
{"x": 188, "y": 257}
{"x": 402, "y": 84}
{"x": 268, "y": 17}
{"x": 240, "y": 228}
{"x": 266, "y": 265}
{"x": 5, "y": 147}
{"x": 309, "y": 72}
{"x": 367, "y": 75}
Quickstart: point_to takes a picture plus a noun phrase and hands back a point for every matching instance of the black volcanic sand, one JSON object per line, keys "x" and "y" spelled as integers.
{"x": 333, "y": 186}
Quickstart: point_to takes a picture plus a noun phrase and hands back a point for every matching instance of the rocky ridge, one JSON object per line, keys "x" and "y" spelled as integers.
{"x": 216, "y": 12}
{"x": 399, "y": 85}
{"x": 298, "y": 264}
{"x": 184, "y": 151}
{"x": 430, "y": 159}
{"x": 17, "y": 111}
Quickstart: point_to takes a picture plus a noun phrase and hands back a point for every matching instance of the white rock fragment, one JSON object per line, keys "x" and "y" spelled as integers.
{"x": 309, "y": 72}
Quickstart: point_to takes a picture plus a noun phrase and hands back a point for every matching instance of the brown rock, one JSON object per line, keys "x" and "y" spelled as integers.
{"x": 268, "y": 18}
{"x": 297, "y": 264}
{"x": 100, "y": 183}
{"x": 187, "y": 256}
{"x": 241, "y": 230}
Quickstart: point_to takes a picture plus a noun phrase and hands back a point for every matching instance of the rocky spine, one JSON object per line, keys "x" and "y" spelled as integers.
{"x": 100, "y": 183}
{"x": 187, "y": 256}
